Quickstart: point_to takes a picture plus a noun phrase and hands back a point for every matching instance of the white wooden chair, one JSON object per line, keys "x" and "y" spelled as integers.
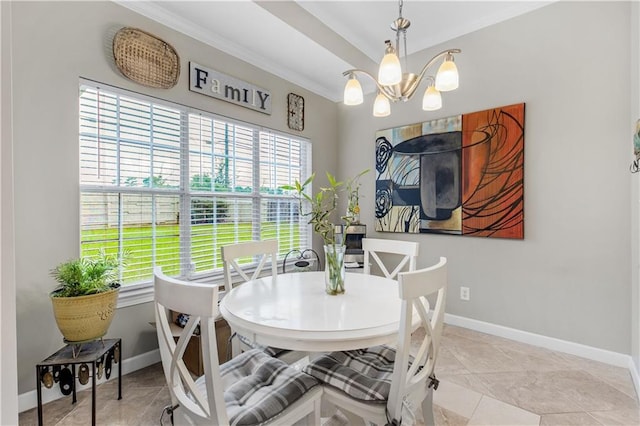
{"x": 382, "y": 384}
{"x": 374, "y": 246}
{"x": 231, "y": 255}
{"x": 250, "y": 389}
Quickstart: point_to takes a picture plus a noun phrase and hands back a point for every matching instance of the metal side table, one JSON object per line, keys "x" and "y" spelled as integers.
{"x": 100, "y": 354}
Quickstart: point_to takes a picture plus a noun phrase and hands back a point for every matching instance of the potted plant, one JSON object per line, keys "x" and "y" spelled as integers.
{"x": 85, "y": 300}
{"x": 321, "y": 216}
{"x": 353, "y": 199}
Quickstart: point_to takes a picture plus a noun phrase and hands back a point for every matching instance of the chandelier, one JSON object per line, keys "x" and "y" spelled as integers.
{"x": 394, "y": 85}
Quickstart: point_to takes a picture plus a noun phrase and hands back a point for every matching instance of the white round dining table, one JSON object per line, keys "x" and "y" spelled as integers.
{"x": 293, "y": 311}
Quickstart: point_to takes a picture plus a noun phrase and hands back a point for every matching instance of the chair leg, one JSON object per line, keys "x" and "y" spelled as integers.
{"x": 311, "y": 419}
{"x": 317, "y": 408}
{"x": 427, "y": 410}
{"x": 234, "y": 341}
{"x": 352, "y": 418}
{"x": 170, "y": 411}
{"x": 327, "y": 409}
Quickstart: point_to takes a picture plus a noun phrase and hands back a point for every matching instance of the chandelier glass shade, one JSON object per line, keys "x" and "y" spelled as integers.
{"x": 395, "y": 85}
{"x": 381, "y": 106}
{"x": 390, "y": 71}
{"x": 353, "y": 92}
{"x": 432, "y": 99}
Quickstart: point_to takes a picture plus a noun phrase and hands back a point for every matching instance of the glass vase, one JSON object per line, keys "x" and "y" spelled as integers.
{"x": 334, "y": 268}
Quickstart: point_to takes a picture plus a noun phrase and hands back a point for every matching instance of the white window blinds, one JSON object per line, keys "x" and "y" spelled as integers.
{"x": 169, "y": 185}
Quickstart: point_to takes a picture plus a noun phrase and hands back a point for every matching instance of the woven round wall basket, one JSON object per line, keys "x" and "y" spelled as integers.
{"x": 146, "y": 59}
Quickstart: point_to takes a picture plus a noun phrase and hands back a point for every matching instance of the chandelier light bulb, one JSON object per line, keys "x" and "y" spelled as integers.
{"x": 447, "y": 77}
{"x": 353, "y": 92}
{"x": 390, "y": 72}
{"x": 381, "y": 106}
{"x": 432, "y": 100}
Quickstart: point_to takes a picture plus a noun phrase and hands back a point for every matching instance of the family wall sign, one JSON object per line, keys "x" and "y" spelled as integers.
{"x": 227, "y": 88}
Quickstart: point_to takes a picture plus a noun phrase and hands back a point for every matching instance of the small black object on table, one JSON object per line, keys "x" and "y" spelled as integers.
{"x": 100, "y": 354}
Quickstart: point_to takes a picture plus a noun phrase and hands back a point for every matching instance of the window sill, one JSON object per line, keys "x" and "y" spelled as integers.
{"x": 136, "y": 294}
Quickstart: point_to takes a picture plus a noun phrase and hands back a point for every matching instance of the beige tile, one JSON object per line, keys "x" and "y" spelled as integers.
{"x": 618, "y": 377}
{"x": 472, "y": 382}
{"x": 53, "y": 411}
{"x": 456, "y": 398}
{"x": 467, "y": 336}
{"x": 528, "y": 357}
{"x": 591, "y": 393}
{"x": 530, "y": 390}
{"x": 29, "y": 417}
{"x": 448, "y": 365}
{"x": 452, "y": 331}
{"x": 49, "y": 416}
{"x": 109, "y": 390}
{"x": 152, "y": 413}
{"x": 151, "y": 376}
{"x": 444, "y": 417}
{"x": 126, "y": 411}
{"x": 556, "y": 392}
{"x": 492, "y": 412}
{"x": 568, "y": 419}
{"x": 618, "y": 417}
{"x": 480, "y": 357}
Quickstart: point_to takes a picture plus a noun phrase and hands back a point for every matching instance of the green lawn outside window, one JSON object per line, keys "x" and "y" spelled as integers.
{"x": 138, "y": 242}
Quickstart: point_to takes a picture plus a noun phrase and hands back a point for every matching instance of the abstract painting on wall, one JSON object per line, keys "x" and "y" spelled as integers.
{"x": 461, "y": 175}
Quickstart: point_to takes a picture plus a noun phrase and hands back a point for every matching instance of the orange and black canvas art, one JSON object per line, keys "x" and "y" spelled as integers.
{"x": 461, "y": 175}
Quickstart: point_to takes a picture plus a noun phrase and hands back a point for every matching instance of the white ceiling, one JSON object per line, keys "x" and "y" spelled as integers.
{"x": 311, "y": 43}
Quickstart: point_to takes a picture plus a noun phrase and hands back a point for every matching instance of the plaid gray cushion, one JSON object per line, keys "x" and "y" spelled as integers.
{"x": 258, "y": 387}
{"x": 364, "y": 374}
{"x": 269, "y": 350}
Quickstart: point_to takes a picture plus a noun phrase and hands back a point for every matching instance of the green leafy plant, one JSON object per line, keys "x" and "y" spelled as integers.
{"x": 321, "y": 216}
{"x": 86, "y": 275}
{"x": 353, "y": 197}
{"x": 322, "y": 205}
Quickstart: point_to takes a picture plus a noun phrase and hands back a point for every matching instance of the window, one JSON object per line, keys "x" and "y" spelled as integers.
{"x": 169, "y": 185}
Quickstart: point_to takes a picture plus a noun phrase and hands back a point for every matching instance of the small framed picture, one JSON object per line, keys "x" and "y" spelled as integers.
{"x": 295, "y": 112}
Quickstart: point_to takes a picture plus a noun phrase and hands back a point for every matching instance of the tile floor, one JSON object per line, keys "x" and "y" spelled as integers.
{"x": 484, "y": 380}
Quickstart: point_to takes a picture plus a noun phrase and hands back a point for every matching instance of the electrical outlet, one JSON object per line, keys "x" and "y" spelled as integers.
{"x": 464, "y": 293}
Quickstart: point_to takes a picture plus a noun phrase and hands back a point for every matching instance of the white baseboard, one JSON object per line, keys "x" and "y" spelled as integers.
{"x": 29, "y": 400}
{"x": 635, "y": 375}
{"x": 578, "y": 349}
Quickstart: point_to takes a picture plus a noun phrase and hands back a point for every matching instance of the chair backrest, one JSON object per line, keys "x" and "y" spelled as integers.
{"x": 301, "y": 260}
{"x": 231, "y": 253}
{"x": 373, "y": 246}
{"x": 412, "y": 382}
{"x": 200, "y": 301}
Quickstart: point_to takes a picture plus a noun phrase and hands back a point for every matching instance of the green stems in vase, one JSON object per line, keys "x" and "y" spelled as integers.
{"x": 320, "y": 214}
{"x": 334, "y": 268}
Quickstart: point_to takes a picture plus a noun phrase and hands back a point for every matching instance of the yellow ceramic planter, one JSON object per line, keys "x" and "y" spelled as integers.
{"x": 85, "y": 318}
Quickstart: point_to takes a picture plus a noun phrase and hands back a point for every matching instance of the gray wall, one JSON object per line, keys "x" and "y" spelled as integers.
{"x": 8, "y": 355}
{"x": 570, "y": 277}
{"x": 54, "y": 44}
{"x": 635, "y": 189}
